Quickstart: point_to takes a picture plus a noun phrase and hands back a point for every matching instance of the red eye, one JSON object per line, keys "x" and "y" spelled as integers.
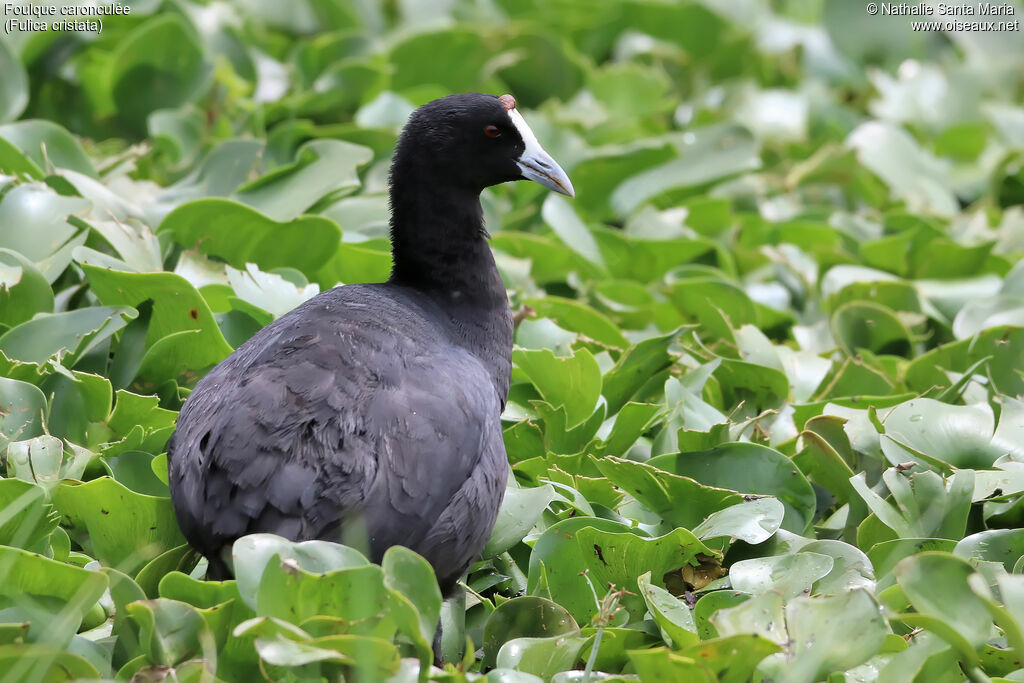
{"x": 492, "y": 132}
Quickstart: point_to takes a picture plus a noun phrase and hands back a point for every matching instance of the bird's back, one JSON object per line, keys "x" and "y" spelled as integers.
{"x": 360, "y": 411}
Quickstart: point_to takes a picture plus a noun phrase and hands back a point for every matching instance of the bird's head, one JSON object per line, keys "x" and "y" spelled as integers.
{"x": 475, "y": 141}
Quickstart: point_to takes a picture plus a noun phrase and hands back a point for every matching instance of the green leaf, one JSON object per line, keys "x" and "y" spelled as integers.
{"x": 788, "y": 575}
{"x": 25, "y": 517}
{"x": 541, "y": 656}
{"x": 679, "y": 500}
{"x": 520, "y": 510}
{"x": 616, "y": 558}
{"x": 241, "y": 235}
{"x": 24, "y": 290}
{"x": 672, "y": 615}
{"x": 322, "y": 170}
{"x": 70, "y": 335}
{"x": 22, "y": 407}
{"x": 524, "y": 617}
{"x": 635, "y": 368}
{"x": 822, "y": 640}
{"x": 62, "y": 149}
{"x": 48, "y": 244}
{"x": 558, "y": 563}
{"x": 123, "y": 529}
{"x": 561, "y": 217}
{"x": 172, "y": 633}
{"x": 752, "y": 521}
{"x": 164, "y": 53}
{"x": 572, "y": 383}
{"x": 749, "y": 468}
{"x": 411, "y": 577}
{"x": 936, "y": 585}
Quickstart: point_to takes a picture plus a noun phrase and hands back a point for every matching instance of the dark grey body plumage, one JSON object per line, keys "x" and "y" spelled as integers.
{"x": 374, "y": 407}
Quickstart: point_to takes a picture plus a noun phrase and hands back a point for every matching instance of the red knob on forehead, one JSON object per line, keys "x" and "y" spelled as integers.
{"x": 508, "y": 102}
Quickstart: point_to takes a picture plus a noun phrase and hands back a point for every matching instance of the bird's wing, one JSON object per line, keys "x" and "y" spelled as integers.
{"x": 312, "y": 422}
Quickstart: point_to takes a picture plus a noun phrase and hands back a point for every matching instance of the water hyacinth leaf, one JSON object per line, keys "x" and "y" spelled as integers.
{"x": 660, "y": 664}
{"x": 147, "y": 55}
{"x": 32, "y": 575}
{"x": 356, "y": 594}
{"x": 519, "y": 512}
{"x": 70, "y": 334}
{"x": 789, "y": 575}
{"x": 911, "y": 173}
{"x": 412, "y": 583}
{"x": 762, "y": 614}
{"x": 937, "y": 586}
{"x": 995, "y": 545}
{"x": 639, "y": 365}
{"x": 251, "y": 554}
{"x": 851, "y": 568}
{"x": 574, "y": 315}
{"x": 240, "y": 235}
{"x": 451, "y": 58}
{"x": 42, "y": 460}
{"x": 62, "y": 149}
{"x": 22, "y": 406}
{"x": 733, "y": 659}
{"x": 173, "y": 632}
{"x": 558, "y": 563}
{"x": 123, "y": 529}
{"x": 822, "y": 640}
{"x": 679, "y": 500}
{"x": 752, "y": 521}
{"x": 27, "y": 518}
{"x": 960, "y": 436}
{"x": 24, "y": 291}
{"x": 47, "y": 212}
{"x": 322, "y": 169}
{"x": 615, "y": 558}
{"x": 870, "y": 326}
{"x": 524, "y": 617}
{"x": 14, "y": 90}
{"x": 561, "y": 217}
{"x": 541, "y": 657}
{"x": 674, "y": 618}
{"x": 734, "y": 152}
{"x": 37, "y": 661}
{"x": 258, "y": 292}
{"x": 573, "y": 383}
{"x": 749, "y": 468}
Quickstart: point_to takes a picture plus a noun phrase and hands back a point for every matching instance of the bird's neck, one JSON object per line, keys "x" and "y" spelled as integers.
{"x": 439, "y": 246}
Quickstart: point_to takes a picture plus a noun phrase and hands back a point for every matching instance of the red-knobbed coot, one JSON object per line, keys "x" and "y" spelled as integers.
{"x": 370, "y": 414}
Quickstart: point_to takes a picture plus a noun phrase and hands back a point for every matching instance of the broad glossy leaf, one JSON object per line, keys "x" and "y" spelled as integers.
{"x": 22, "y": 406}
{"x": 123, "y": 529}
{"x": 521, "y": 508}
{"x": 164, "y": 53}
{"x": 541, "y": 656}
{"x": 936, "y": 584}
{"x": 322, "y": 169}
{"x": 670, "y": 613}
{"x": 749, "y": 468}
{"x": 679, "y": 500}
{"x": 526, "y": 616}
{"x": 71, "y": 334}
{"x": 573, "y": 383}
{"x": 241, "y": 235}
{"x": 558, "y": 564}
{"x": 63, "y": 149}
{"x": 24, "y": 291}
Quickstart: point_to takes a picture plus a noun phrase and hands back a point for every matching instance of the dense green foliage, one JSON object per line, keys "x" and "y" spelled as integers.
{"x": 765, "y": 420}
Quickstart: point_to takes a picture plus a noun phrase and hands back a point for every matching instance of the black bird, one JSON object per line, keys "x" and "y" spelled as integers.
{"x": 372, "y": 412}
